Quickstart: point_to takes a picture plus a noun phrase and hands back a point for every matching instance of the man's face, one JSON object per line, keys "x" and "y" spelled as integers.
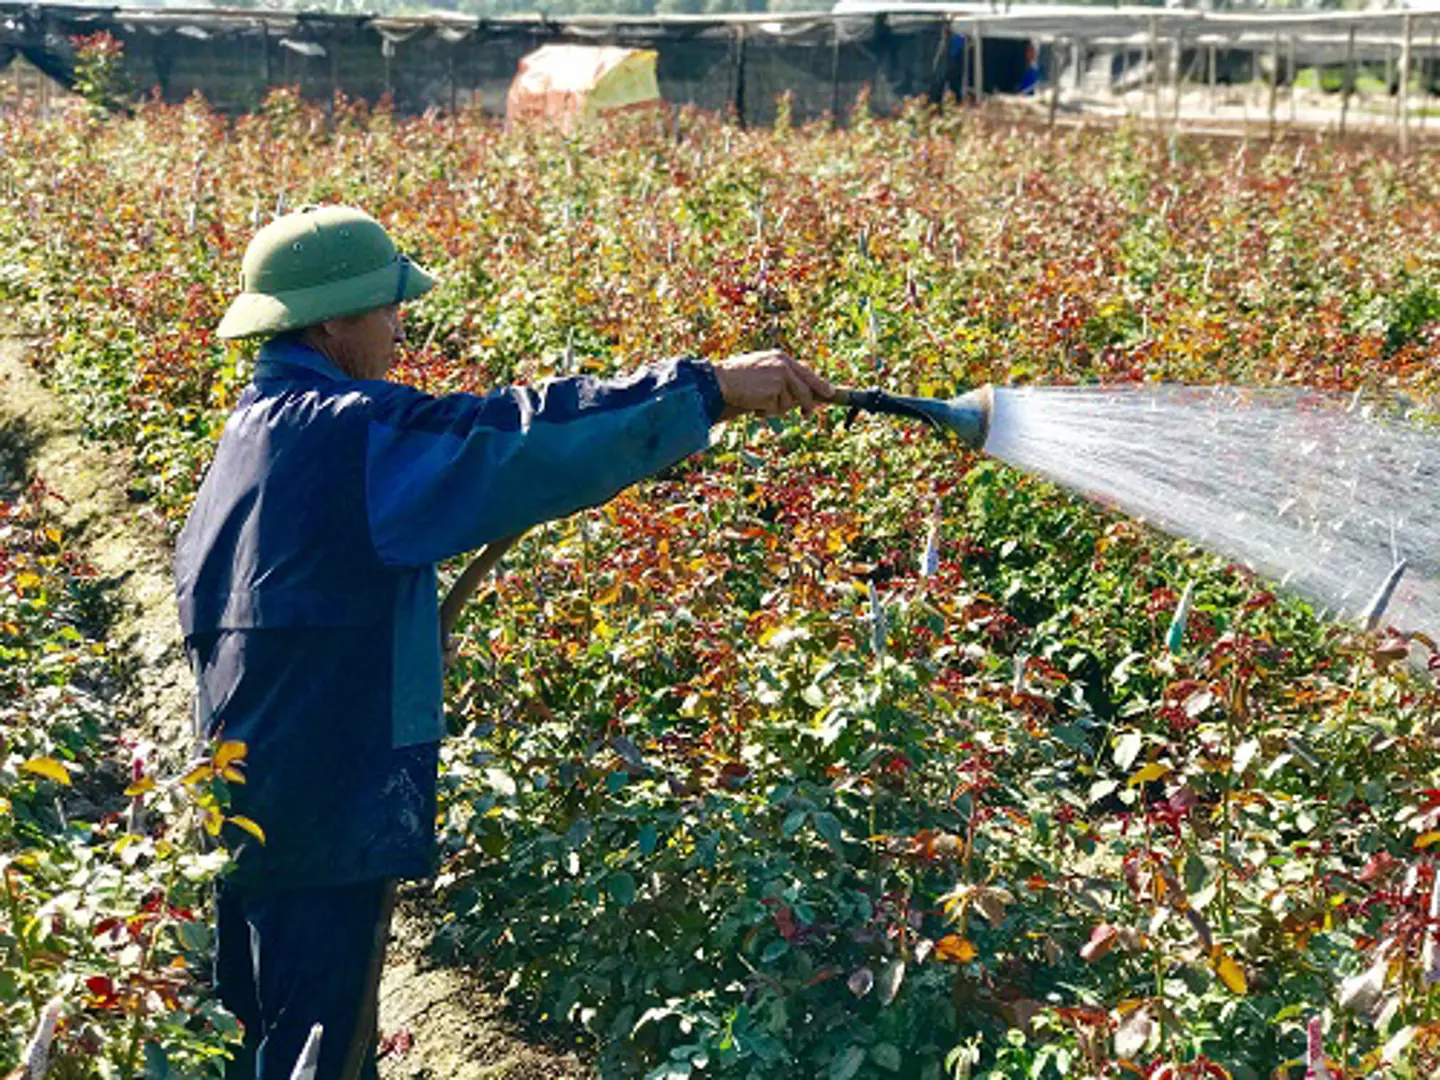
{"x": 363, "y": 346}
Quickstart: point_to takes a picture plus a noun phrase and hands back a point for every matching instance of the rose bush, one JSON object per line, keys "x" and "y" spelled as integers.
{"x": 745, "y": 781}
{"x": 103, "y": 882}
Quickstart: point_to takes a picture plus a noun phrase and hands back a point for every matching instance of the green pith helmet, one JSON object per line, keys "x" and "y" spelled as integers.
{"x": 318, "y": 263}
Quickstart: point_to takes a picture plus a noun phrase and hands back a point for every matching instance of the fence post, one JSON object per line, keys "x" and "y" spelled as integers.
{"x": 1349, "y": 77}
{"x": 1402, "y": 103}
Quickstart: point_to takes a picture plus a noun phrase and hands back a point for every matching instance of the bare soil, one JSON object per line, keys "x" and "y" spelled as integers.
{"x": 438, "y": 1020}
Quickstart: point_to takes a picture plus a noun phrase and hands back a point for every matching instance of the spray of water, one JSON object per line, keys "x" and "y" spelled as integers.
{"x": 1318, "y": 492}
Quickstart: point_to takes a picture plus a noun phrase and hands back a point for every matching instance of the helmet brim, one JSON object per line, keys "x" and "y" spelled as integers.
{"x": 258, "y": 314}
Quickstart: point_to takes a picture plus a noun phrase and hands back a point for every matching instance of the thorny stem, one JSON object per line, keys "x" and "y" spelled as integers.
{"x": 1232, "y": 706}
{"x": 17, "y": 919}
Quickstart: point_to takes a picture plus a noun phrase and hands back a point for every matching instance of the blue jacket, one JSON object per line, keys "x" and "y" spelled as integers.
{"x": 305, "y": 576}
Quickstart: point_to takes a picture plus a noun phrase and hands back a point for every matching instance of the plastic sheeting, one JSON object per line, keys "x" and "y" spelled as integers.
{"x": 738, "y": 64}
{"x": 570, "y": 84}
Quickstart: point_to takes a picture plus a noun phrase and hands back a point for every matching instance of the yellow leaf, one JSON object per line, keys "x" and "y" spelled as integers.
{"x": 1154, "y": 771}
{"x": 1229, "y": 971}
{"x": 249, "y": 826}
{"x": 607, "y": 596}
{"x": 26, "y": 580}
{"x": 1424, "y": 840}
{"x": 203, "y": 771}
{"x": 140, "y": 787}
{"x": 213, "y": 820}
{"x": 235, "y": 776}
{"x": 956, "y": 948}
{"x": 4, "y": 805}
{"x": 49, "y": 768}
{"x": 228, "y": 752}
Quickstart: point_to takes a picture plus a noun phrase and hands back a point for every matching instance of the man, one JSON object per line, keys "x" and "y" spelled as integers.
{"x": 306, "y": 582}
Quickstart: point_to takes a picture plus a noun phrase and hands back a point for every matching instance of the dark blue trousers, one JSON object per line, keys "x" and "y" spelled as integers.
{"x": 286, "y": 959}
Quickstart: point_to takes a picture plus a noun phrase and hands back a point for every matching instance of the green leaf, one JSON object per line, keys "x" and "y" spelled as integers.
{"x": 828, "y": 826}
{"x": 792, "y": 822}
{"x": 621, "y": 888}
{"x": 887, "y": 1056}
{"x": 648, "y": 838}
{"x": 848, "y": 1064}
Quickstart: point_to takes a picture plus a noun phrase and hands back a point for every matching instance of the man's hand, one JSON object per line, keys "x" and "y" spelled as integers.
{"x": 769, "y": 383}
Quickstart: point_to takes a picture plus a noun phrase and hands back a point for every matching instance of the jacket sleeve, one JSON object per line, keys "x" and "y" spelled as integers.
{"x": 444, "y": 475}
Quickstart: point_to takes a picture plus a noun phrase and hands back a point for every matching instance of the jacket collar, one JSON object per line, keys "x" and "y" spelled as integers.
{"x": 281, "y": 357}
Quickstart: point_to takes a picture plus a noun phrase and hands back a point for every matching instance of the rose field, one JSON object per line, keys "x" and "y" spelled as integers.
{"x": 740, "y": 783}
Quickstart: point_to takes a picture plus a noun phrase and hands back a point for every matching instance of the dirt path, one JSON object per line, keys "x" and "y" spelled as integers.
{"x": 447, "y": 1027}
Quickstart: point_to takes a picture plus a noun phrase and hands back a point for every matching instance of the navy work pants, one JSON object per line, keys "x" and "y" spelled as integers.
{"x": 286, "y": 959}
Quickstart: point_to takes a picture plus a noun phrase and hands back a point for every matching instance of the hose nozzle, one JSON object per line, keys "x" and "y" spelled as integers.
{"x": 966, "y": 416}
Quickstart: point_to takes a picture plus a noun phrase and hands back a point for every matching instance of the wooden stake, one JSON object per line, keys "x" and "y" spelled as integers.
{"x": 1349, "y": 87}
{"x": 1078, "y": 54}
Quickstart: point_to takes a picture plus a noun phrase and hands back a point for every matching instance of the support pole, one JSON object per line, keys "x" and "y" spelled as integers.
{"x": 1211, "y": 78}
{"x": 1177, "y": 81}
{"x": 1290, "y": 74}
{"x": 1402, "y": 103}
{"x": 1153, "y": 72}
{"x": 1349, "y": 77}
{"x": 1079, "y": 56}
{"x": 739, "y": 69}
{"x": 1390, "y": 71}
{"x": 1428, "y": 79}
{"x": 1274, "y": 79}
{"x": 979, "y": 64}
{"x": 938, "y": 65}
{"x": 1125, "y": 74}
{"x": 1054, "y": 66}
{"x": 835, "y": 70}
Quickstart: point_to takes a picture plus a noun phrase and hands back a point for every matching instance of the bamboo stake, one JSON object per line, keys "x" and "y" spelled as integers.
{"x": 1349, "y": 87}
{"x": 1402, "y": 97}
